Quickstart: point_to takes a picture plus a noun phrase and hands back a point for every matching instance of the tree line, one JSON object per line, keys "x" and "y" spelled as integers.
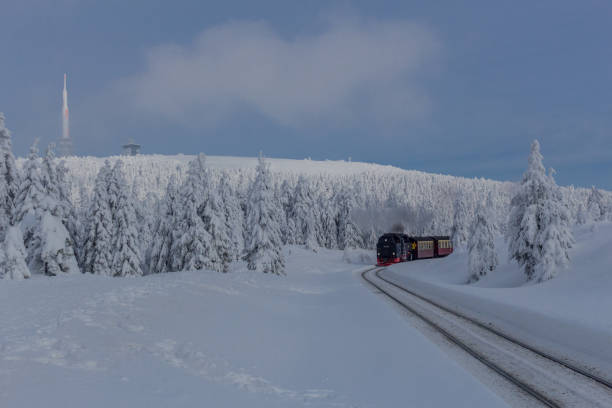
{"x": 56, "y": 216}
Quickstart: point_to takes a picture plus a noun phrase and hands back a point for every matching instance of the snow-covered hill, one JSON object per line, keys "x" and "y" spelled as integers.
{"x": 383, "y": 195}
{"x": 153, "y": 172}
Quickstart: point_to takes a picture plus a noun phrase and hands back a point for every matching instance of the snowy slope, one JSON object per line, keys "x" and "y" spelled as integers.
{"x": 569, "y": 315}
{"x": 317, "y": 337}
{"x": 154, "y": 171}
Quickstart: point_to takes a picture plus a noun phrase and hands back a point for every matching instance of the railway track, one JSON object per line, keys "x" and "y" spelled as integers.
{"x": 538, "y": 375}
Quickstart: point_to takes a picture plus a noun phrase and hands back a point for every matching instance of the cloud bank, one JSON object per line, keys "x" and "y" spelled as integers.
{"x": 354, "y": 70}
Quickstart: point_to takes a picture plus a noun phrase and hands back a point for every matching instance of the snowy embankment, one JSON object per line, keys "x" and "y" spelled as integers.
{"x": 568, "y": 316}
{"x": 317, "y": 337}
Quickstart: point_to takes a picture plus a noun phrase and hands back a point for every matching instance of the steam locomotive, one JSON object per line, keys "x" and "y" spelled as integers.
{"x": 394, "y": 248}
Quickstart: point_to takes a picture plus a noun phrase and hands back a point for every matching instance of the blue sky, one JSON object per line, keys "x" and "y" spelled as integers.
{"x": 448, "y": 87}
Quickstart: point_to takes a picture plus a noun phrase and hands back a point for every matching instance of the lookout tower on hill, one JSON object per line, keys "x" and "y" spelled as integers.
{"x": 131, "y": 148}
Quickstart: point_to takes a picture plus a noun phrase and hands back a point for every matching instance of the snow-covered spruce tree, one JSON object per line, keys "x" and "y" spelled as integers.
{"x": 349, "y": 235}
{"x": 161, "y": 241}
{"x": 30, "y": 198}
{"x": 57, "y": 183}
{"x": 327, "y": 214}
{"x": 371, "y": 239}
{"x": 263, "y": 232}
{"x": 70, "y": 216}
{"x": 81, "y": 223}
{"x": 192, "y": 246}
{"x": 461, "y": 222}
{"x": 538, "y": 235}
{"x": 234, "y": 217}
{"x": 213, "y": 216}
{"x": 56, "y": 247}
{"x": 97, "y": 248}
{"x": 303, "y": 214}
{"x": 596, "y": 207}
{"x": 581, "y": 214}
{"x": 13, "y": 255}
{"x": 9, "y": 179}
{"x": 286, "y": 200}
{"x": 143, "y": 216}
{"x": 482, "y": 257}
{"x": 41, "y": 215}
{"x": 285, "y": 195}
{"x": 125, "y": 241}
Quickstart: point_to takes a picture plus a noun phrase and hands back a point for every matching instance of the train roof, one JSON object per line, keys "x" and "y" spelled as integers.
{"x": 397, "y": 236}
{"x": 429, "y": 238}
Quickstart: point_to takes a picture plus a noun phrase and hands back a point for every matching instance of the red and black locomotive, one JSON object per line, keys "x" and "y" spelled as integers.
{"x": 394, "y": 248}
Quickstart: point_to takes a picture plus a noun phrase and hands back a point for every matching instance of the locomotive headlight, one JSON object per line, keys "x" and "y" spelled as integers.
{"x": 394, "y": 254}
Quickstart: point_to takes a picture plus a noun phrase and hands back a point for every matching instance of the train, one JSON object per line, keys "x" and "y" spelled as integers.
{"x": 395, "y": 248}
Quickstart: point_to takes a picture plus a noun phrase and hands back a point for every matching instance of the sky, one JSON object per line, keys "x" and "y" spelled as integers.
{"x": 448, "y": 87}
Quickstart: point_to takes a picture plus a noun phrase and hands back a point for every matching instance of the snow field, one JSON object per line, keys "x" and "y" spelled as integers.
{"x": 317, "y": 337}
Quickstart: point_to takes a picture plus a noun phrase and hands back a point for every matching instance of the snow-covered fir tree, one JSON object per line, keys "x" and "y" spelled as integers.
{"x": 9, "y": 179}
{"x": 125, "y": 240}
{"x": 82, "y": 219}
{"x": 31, "y": 196}
{"x": 97, "y": 248}
{"x": 348, "y": 233}
{"x": 234, "y": 217}
{"x": 581, "y": 214}
{"x": 596, "y": 206}
{"x": 144, "y": 210}
{"x": 57, "y": 184}
{"x": 461, "y": 222}
{"x": 285, "y": 199}
{"x": 328, "y": 232}
{"x": 56, "y": 247}
{"x": 213, "y": 216}
{"x": 192, "y": 246}
{"x": 13, "y": 255}
{"x": 263, "y": 233}
{"x": 41, "y": 214}
{"x": 371, "y": 239}
{"x": 70, "y": 215}
{"x": 303, "y": 214}
{"x": 161, "y": 242}
{"x": 482, "y": 256}
{"x": 538, "y": 235}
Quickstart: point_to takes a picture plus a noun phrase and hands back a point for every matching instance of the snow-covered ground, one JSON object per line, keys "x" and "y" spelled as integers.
{"x": 568, "y": 316}
{"x": 318, "y": 337}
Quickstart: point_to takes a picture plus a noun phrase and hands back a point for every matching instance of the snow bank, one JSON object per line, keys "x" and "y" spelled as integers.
{"x": 359, "y": 256}
{"x": 568, "y": 316}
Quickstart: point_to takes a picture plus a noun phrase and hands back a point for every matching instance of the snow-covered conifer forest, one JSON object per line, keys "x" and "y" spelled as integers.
{"x": 131, "y": 216}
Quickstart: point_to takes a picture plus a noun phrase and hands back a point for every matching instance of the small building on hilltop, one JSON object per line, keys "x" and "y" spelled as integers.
{"x": 131, "y": 148}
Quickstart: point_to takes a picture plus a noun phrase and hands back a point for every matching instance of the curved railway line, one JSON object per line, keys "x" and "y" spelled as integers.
{"x": 546, "y": 379}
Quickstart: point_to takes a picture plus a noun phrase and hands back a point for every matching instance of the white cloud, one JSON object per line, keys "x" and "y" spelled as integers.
{"x": 353, "y": 70}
